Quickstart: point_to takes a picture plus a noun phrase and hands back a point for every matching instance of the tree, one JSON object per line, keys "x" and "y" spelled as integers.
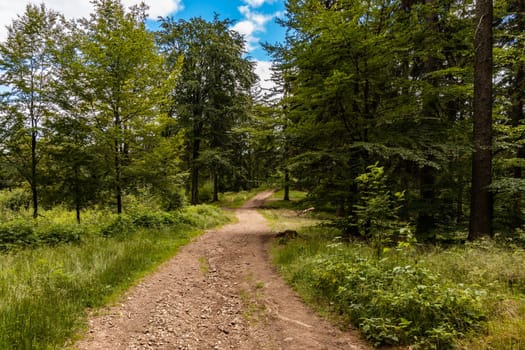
{"x": 123, "y": 82}
{"x": 379, "y": 81}
{"x": 26, "y": 72}
{"x": 509, "y": 93}
{"x": 214, "y": 88}
{"x": 481, "y": 207}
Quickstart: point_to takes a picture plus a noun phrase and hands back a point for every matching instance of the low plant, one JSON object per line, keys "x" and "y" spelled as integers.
{"x": 468, "y": 296}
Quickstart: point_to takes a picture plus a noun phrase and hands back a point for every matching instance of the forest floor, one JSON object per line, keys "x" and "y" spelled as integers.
{"x": 219, "y": 292}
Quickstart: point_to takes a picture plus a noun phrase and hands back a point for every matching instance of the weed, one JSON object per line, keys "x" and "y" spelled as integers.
{"x": 204, "y": 265}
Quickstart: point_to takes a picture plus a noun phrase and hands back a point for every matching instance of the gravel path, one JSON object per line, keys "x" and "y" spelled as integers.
{"x": 218, "y": 292}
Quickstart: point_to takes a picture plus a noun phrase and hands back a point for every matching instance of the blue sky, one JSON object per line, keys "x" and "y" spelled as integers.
{"x": 255, "y": 19}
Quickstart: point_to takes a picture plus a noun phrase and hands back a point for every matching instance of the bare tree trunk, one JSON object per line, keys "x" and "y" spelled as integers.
{"x": 118, "y": 188}
{"x": 215, "y": 186}
{"x": 195, "y": 153}
{"x": 481, "y": 206}
{"x": 286, "y": 185}
{"x": 34, "y": 189}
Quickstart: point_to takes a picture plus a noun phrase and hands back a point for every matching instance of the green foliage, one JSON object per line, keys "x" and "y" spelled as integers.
{"x": 17, "y": 233}
{"x": 206, "y": 192}
{"x": 376, "y": 212}
{"x": 23, "y": 233}
{"x": 423, "y": 296}
{"x": 213, "y": 94}
{"x": 59, "y": 233}
{"x": 236, "y": 199}
{"x": 394, "y": 304}
{"x": 15, "y": 199}
{"x": 26, "y": 78}
{"x": 121, "y": 225}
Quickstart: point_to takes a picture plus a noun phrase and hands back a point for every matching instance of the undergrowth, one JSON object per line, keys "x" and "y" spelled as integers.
{"x": 468, "y": 297}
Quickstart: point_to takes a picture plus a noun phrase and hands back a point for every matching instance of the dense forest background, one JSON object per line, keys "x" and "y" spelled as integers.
{"x": 380, "y": 112}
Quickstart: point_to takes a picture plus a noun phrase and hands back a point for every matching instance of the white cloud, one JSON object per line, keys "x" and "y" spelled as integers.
{"x": 257, "y": 3}
{"x": 253, "y": 23}
{"x": 9, "y": 9}
{"x": 264, "y": 70}
{"x": 247, "y": 29}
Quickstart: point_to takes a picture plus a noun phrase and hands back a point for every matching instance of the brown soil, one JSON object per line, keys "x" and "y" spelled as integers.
{"x": 219, "y": 292}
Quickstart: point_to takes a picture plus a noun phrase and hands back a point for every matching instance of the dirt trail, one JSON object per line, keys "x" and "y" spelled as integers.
{"x": 219, "y": 292}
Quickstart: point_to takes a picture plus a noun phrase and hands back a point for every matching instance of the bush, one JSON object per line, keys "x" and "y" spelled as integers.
{"x": 155, "y": 219}
{"x": 15, "y": 199}
{"x": 54, "y": 234}
{"x": 202, "y": 216}
{"x": 17, "y": 233}
{"x": 206, "y": 192}
{"x": 118, "y": 226}
{"x": 391, "y": 303}
{"x": 398, "y": 304}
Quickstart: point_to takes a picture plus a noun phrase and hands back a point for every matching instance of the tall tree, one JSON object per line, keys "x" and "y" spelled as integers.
{"x": 509, "y": 96}
{"x": 214, "y": 87}
{"x": 481, "y": 207}
{"x": 26, "y": 72}
{"x": 123, "y": 81}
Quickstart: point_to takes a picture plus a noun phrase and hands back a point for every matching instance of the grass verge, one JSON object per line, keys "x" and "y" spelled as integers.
{"x": 44, "y": 291}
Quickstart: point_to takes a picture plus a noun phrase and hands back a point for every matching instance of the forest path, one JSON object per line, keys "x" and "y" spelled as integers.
{"x": 218, "y": 292}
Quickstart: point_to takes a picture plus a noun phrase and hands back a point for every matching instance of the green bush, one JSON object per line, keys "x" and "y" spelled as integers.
{"x": 155, "y": 219}
{"x": 390, "y": 302}
{"x": 53, "y": 234}
{"x": 206, "y": 192}
{"x": 17, "y": 233}
{"x": 15, "y": 199}
{"x": 119, "y": 225}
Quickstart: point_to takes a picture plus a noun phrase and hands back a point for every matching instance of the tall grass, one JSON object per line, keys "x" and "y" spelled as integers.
{"x": 44, "y": 291}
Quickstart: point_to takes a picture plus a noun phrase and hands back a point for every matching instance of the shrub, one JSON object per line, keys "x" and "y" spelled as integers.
{"x": 150, "y": 219}
{"x": 53, "y": 234}
{"x": 391, "y": 303}
{"x": 15, "y": 199}
{"x": 119, "y": 225}
{"x": 17, "y": 233}
{"x": 206, "y": 192}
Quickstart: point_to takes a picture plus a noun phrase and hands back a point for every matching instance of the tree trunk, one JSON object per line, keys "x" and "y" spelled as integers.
{"x": 286, "y": 185}
{"x": 77, "y": 195}
{"x": 481, "y": 206}
{"x": 517, "y": 111}
{"x": 118, "y": 162}
{"x": 215, "y": 186}
{"x": 118, "y": 188}
{"x": 195, "y": 153}
{"x": 425, "y": 220}
{"x": 34, "y": 189}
